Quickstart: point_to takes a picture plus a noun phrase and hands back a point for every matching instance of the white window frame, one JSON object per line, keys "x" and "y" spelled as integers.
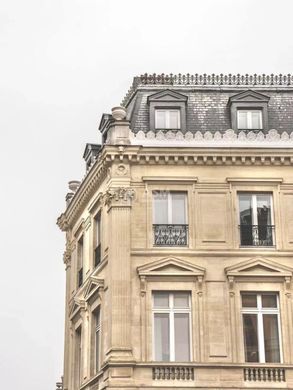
{"x": 97, "y": 314}
{"x": 171, "y": 311}
{"x": 249, "y": 119}
{"x": 168, "y": 195}
{"x": 254, "y": 208}
{"x": 167, "y": 118}
{"x": 260, "y": 311}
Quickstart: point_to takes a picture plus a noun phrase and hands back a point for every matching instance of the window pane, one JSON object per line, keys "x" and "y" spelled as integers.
{"x": 174, "y": 119}
{"x": 181, "y": 300}
{"x": 242, "y": 119}
{"x": 249, "y": 300}
{"x": 160, "y": 207}
{"x": 256, "y": 119}
{"x": 97, "y": 350}
{"x": 160, "y": 119}
{"x": 162, "y": 332}
{"x": 269, "y": 300}
{"x": 97, "y": 221}
{"x": 245, "y": 209}
{"x": 182, "y": 344}
{"x": 250, "y": 337}
{"x": 271, "y": 338}
{"x": 178, "y": 208}
{"x": 161, "y": 300}
{"x": 263, "y": 209}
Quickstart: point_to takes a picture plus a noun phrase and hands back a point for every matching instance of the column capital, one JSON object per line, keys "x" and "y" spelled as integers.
{"x": 119, "y": 197}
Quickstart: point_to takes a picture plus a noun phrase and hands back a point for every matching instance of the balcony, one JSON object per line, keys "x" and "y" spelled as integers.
{"x": 257, "y": 235}
{"x": 170, "y": 235}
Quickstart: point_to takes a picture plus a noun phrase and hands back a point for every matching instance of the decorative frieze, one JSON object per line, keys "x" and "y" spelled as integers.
{"x": 214, "y": 139}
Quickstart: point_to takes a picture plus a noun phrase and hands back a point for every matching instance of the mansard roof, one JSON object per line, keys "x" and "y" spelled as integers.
{"x": 207, "y": 99}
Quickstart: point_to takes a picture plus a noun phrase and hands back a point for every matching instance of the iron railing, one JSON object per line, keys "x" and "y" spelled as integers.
{"x": 170, "y": 235}
{"x": 257, "y": 235}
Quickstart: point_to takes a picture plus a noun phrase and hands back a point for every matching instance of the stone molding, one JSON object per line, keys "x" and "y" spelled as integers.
{"x": 201, "y": 155}
{"x": 259, "y": 268}
{"x": 229, "y": 138}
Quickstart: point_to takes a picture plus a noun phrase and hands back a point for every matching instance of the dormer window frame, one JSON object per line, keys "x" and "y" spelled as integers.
{"x": 167, "y": 100}
{"x": 250, "y": 101}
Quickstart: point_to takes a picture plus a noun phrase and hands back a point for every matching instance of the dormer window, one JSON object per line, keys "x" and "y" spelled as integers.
{"x": 249, "y": 111}
{"x": 249, "y": 119}
{"x": 167, "y": 111}
{"x": 167, "y": 119}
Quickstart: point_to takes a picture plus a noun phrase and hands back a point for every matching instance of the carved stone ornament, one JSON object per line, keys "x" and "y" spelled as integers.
{"x": 121, "y": 170}
{"x": 121, "y": 196}
{"x": 62, "y": 222}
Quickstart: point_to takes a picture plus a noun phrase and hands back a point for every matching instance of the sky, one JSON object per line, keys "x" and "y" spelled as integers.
{"x": 62, "y": 64}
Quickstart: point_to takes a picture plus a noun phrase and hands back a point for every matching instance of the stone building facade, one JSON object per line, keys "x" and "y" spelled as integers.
{"x": 179, "y": 239}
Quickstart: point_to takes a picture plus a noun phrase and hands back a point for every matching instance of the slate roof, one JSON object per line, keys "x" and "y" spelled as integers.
{"x": 208, "y": 99}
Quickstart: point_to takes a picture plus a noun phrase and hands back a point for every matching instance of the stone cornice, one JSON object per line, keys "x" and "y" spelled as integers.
{"x": 152, "y": 155}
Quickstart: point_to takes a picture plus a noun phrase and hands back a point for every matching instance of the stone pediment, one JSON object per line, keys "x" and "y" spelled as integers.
{"x": 166, "y": 96}
{"x": 170, "y": 266}
{"x": 93, "y": 285}
{"x": 259, "y": 267}
{"x": 75, "y": 307}
{"x": 249, "y": 96}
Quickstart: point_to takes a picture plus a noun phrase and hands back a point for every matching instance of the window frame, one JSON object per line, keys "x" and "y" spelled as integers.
{"x": 171, "y": 311}
{"x": 97, "y": 333}
{"x": 260, "y": 311}
{"x": 97, "y": 238}
{"x": 253, "y": 195}
{"x": 80, "y": 260}
{"x": 249, "y": 118}
{"x": 167, "y": 112}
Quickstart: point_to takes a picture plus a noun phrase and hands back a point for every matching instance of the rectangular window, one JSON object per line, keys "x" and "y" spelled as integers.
{"x": 78, "y": 358}
{"x": 249, "y": 119}
{"x": 167, "y": 119}
{"x": 256, "y": 219}
{"x": 97, "y": 338}
{"x": 97, "y": 239}
{"x": 171, "y": 319}
{"x": 261, "y": 327}
{"x": 80, "y": 250}
{"x": 170, "y": 218}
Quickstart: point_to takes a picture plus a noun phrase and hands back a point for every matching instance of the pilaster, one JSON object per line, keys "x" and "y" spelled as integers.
{"x": 119, "y": 201}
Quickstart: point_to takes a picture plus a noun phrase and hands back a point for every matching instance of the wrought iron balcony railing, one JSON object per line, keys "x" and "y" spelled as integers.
{"x": 98, "y": 255}
{"x": 257, "y": 235}
{"x": 170, "y": 235}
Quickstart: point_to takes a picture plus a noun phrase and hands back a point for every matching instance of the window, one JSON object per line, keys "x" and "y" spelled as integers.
{"x": 77, "y": 358}
{"x": 249, "y": 119}
{"x": 80, "y": 250}
{"x": 170, "y": 218}
{"x": 171, "y": 324}
{"x": 256, "y": 219}
{"x": 97, "y": 241}
{"x": 97, "y": 315}
{"x": 167, "y": 119}
{"x": 261, "y": 327}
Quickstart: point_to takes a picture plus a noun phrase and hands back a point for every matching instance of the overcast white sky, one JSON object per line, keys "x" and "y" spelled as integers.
{"x": 63, "y": 63}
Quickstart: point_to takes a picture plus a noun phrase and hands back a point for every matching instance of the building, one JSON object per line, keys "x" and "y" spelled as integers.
{"x": 179, "y": 239}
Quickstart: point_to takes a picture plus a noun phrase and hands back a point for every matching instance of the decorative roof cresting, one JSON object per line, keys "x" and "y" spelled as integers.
{"x": 188, "y": 79}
